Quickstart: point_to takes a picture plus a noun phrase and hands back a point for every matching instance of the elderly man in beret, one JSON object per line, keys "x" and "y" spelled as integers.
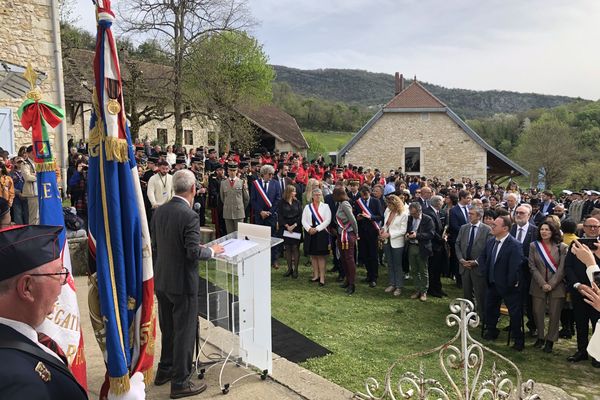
{"x": 31, "y": 277}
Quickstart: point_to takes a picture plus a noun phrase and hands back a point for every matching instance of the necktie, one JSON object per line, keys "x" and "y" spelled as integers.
{"x": 471, "y": 239}
{"x": 520, "y": 235}
{"x": 265, "y": 186}
{"x": 493, "y": 264}
{"x": 466, "y": 214}
{"x": 282, "y": 184}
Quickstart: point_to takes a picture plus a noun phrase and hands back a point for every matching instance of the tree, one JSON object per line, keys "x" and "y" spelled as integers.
{"x": 226, "y": 71}
{"x": 548, "y": 146}
{"x": 178, "y": 25}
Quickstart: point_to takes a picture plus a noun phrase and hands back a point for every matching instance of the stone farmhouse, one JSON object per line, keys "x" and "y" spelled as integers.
{"x": 419, "y": 133}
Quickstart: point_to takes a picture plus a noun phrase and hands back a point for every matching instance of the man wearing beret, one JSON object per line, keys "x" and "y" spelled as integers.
{"x": 31, "y": 277}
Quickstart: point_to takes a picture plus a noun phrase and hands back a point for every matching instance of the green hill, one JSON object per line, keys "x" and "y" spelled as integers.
{"x": 368, "y": 89}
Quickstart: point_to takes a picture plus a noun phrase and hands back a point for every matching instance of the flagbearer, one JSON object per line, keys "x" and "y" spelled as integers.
{"x": 31, "y": 277}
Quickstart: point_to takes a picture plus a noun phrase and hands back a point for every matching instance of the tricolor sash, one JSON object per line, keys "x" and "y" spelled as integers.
{"x": 262, "y": 193}
{"x": 315, "y": 213}
{"x": 547, "y": 258}
{"x": 366, "y": 211}
{"x": 344, "y": 235}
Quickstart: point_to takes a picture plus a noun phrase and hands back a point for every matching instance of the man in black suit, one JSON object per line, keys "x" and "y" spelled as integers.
{"x": 420, "y": 231}
{"x": 439, "y": 258}
{"x": 501, "y": 266}
{"x": 525, "y": 233}
{"x": 458, "y": 216}
{"x": 368, "y": 216}
{"x": 577, "y": 279}
{"x": 31, "y": 277}
{"x": 175, "y": 233}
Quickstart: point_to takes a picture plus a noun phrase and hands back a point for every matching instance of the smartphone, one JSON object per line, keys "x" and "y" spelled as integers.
{"x": 589, "y": 242}
{"x": 596, "y": 276}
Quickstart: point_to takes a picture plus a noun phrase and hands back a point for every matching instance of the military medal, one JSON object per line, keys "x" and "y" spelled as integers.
{"x": 112, "y": 89}
{"x": 43, "y": 372}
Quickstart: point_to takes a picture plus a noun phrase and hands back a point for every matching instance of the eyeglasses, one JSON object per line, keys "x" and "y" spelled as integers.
{"x": 520, "y": 212}
{"x": 64, "y": 272}
{"x": 591, "y": 226}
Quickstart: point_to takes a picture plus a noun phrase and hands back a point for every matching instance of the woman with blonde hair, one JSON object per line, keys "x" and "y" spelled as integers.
{"x": 395, "y": 220}
{"x": 289, "y": 217}
{"x": 315, "y": 220}
{"x": 310, "y": 186}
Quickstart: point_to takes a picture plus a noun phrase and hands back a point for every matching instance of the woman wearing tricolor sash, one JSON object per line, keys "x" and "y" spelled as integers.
{"x": 347, "y": 236}
{"x": 546, "y": 263}
{"x": 315, "y": 220}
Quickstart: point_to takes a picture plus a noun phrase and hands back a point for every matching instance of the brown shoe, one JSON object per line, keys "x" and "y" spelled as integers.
{"x": 423, "y": 297}
{"x": 188, "y": 389}
{"x": 275, "y": 266}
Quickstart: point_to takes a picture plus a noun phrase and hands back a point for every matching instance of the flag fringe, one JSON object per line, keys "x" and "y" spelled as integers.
{"x": 116, "y": 149}
{"x": 45, "y": 167}
{"x": 119, "y": 385}
{"x": 148, "y": 376}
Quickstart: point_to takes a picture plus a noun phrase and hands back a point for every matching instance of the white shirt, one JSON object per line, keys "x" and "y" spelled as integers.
{"x": 160, "y": 189}
{"x": 499, "y": 246}
{"x": 29, "y": 333}
{"x": 525, "y": 228}
{"x": 324, "y": 212}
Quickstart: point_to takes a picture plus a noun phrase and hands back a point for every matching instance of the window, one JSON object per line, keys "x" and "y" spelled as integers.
{"x": 412, "y": 159}
{"x": 188, "y": 136}
{"x": 424, "y": 116}
{"x": 161, "y": 136}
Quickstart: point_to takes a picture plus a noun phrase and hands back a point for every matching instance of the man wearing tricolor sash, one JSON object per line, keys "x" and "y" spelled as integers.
{"x": 265, "y": 198}
{"x": 368, "y": 215}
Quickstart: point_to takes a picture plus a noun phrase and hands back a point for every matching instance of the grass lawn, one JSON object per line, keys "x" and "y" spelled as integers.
{"x": 368, "y": 331}
{"x": 331, "y": 141}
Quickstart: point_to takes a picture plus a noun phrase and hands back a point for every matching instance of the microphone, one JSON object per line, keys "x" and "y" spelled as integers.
{"x": 197, "y": 207}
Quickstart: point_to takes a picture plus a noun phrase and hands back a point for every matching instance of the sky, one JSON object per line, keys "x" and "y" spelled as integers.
{"x": 541, "y": 46}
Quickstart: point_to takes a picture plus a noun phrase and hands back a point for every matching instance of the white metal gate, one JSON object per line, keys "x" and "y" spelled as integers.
{"x": 7, "y": 138}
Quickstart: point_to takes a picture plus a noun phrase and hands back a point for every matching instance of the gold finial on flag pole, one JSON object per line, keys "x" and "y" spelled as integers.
{"x": 31, "y": 76}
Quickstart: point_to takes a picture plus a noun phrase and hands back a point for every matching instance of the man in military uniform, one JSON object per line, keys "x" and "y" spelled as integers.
{"x": 215, "y": 202}
{"x": 235, "y": 198}
{"x": 201, "y": 183}
{"x": 31, "y": 277}
{"x": 210, "y": 164}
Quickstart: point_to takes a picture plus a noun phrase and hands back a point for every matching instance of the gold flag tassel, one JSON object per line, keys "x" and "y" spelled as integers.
{"x": 119, "y": 385}
{"x": 114, "y": 148}
{"x": 45, "y": 167}
{"x": 148, "y": 376}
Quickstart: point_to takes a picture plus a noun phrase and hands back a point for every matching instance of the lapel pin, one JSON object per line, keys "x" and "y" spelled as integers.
{"x": 43, "y": 372}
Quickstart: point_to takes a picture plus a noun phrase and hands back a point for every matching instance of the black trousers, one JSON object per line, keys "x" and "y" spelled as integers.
{"x": 584, "y": 314}
{"x": 178, "y": 318}
{"x": 527, "y": 304}
{"x": 367, "y": 248}
{"x": 436, "y": 265}
{"x": 513, "y": 301}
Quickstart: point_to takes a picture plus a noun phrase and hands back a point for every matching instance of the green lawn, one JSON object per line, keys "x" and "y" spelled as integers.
{"x": 331, "y": 141}
{"x": 368, "y": 331}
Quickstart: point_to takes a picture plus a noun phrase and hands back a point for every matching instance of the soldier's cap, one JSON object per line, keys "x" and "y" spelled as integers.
{"x": 139, "y": 147}
{"x": 153, "y": 160}
{"x": 180, "y": 160}
{"x": 567, "y": 192}
{"x": 211, "y": 151}
{"x": 577, "y": 193}
{"x": 232, "y": 165}
{"x": 25, "y": 247}
{"x": 594, "y": 192}
{"x": 217, "y": 166}
{"x": 254, "y": 163}
{"x": 200, "y": 149}
{"x": 353, "y": 182}
{"x": 243, "y": 164}
{"x": 29, "y": 149}
{"x": 196, "y": 159}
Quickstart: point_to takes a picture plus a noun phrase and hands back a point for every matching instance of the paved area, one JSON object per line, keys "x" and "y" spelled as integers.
{"x": 289, "y": 381}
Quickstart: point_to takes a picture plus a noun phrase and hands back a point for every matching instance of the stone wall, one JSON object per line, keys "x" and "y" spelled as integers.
{"x": 26, "y": 36}
{"x": 200, "y": 128}
{"x": 446, "y": 150}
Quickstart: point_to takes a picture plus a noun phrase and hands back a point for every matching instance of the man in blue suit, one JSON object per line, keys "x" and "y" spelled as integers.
{"x": 265, "y": 198}
{"x": 501, "y": 266}
{"x": 369, "y": 216}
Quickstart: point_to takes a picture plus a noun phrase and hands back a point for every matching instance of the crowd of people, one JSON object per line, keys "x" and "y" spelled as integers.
{"x": 525, "y": 249}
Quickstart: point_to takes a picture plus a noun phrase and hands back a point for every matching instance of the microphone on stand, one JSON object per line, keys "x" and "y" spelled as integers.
{"x": 197, "y": 207}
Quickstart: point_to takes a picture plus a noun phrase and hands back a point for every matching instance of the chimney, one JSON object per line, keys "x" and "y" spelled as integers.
{"x": 399, "y": 83}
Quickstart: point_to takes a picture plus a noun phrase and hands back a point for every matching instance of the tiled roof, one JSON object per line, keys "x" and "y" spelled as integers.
{"x": 415, "y": 96}
{"x": 276, "y": 122}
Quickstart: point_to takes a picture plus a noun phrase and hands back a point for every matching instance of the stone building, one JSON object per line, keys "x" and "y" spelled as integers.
{"x": 419, "y": 133}
{"x": 146, "y": 88}
{"x": 276, "y": 129}
{"x": 29, "y": 33}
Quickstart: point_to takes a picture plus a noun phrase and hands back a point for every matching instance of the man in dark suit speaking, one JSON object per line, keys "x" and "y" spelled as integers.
{"x": 501, "y": 265}
{"x": 175, "y": 232}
